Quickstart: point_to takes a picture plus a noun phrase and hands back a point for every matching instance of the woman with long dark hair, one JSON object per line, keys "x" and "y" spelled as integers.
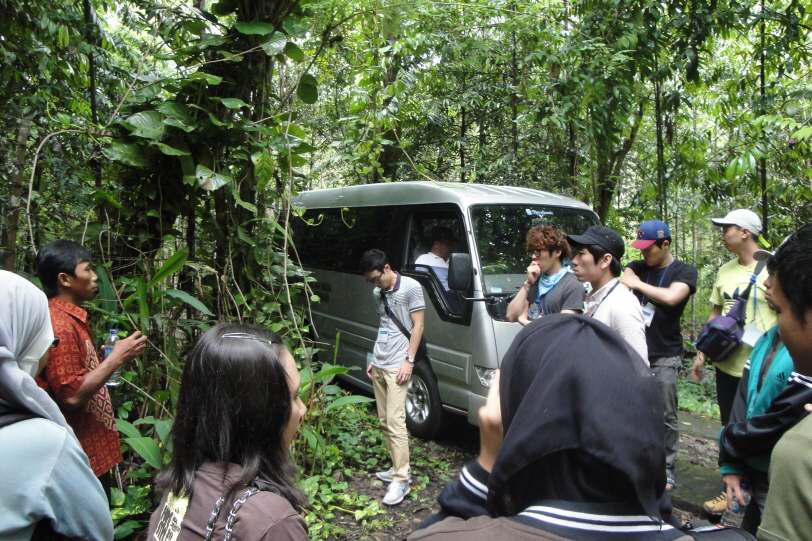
{"x": 238, "y": 412}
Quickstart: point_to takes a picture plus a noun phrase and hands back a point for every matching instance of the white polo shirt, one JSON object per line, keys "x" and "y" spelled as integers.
{"x": 616, "y": 306}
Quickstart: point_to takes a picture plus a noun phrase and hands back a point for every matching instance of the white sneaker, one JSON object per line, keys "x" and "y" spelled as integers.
{"x": 396, "y": 492}
{"x": 386, "y": 476}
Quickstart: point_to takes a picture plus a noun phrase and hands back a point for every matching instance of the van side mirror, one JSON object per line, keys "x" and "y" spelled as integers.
{"x": 460, "y": 272}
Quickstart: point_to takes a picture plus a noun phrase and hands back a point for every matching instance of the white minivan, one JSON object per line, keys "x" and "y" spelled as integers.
{"x": 466, "y": 331}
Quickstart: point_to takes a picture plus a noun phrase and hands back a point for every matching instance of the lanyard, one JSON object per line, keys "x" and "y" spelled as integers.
{"x": 662, "y": 276}
{"x": 595, "y": 310}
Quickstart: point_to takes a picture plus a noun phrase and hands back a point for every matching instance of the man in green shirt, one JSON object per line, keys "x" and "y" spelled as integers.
{"x": 788, "y": 511}
{"x": 740, "y": 234}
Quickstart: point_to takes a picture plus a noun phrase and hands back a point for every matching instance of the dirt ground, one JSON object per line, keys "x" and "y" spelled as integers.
{"x": 439, "y": 462}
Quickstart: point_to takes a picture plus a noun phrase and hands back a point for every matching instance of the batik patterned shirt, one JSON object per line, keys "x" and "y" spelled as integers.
{"x": 69, "y": 363}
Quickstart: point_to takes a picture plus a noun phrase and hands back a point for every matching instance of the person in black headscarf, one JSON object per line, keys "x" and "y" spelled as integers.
{"x": 571, "y": 446}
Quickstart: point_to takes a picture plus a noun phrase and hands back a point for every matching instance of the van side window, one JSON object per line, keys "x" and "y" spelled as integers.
{"x": 335, "y": 238}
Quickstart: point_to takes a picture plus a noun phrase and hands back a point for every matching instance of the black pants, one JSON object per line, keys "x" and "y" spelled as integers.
{"x": 726, "y": 386}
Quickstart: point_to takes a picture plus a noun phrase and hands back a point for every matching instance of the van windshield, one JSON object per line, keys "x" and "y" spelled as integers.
{"x": 500, "y": 232}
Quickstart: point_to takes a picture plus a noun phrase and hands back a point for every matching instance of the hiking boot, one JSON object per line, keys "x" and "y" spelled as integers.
{"x": 396, "y": 492}
{"x": 716, "y": 506}
{"x": 386, "y": 476}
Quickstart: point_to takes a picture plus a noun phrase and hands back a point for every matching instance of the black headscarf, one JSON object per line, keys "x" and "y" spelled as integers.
{"x": 582, "y": 418}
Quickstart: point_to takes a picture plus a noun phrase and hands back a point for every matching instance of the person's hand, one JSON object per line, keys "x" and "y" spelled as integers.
{"x": 490, "y": 426}
{"x": 129, "y": 348}
{"x": 808, "y": 407}
{"x": 733, "y": 484}
{"x": 404, "y": 373}
{"x": 696, "y": 369}
{"x": 533, "y": 271}
{"x": 369, "y": 371}
{"x": 629, "y": 279}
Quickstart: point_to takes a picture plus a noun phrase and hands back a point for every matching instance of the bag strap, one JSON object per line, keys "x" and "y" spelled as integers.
{"x": 392, "y": 316}
{"x": 759, "y": 267}
{"x": 232, "y": 514}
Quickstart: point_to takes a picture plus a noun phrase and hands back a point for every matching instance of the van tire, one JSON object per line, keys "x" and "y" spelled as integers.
{"x": 424, "y": 411}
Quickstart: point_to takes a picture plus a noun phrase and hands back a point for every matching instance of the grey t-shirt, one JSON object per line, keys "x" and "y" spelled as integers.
{"x": 391, "y": 345}
{"x": 568, "y": 294}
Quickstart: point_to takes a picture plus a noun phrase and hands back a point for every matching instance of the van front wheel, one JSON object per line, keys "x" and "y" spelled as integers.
{"x": 424, "y": 412}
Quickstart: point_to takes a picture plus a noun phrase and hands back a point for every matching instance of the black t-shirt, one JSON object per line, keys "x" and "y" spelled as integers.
{"x": 663, "y": 336}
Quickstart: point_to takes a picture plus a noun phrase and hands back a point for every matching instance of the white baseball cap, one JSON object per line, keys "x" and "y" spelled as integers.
{"x": 744, "y": 218}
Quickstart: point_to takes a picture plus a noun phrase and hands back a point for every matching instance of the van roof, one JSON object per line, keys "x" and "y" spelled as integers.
{"x": 423, "y": 192}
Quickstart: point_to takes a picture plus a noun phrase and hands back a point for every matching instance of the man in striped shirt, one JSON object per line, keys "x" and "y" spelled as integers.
{"x": 400, "y": 306}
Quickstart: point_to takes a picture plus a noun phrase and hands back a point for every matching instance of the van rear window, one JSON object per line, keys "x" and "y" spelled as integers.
{"x": 500, "y": 232}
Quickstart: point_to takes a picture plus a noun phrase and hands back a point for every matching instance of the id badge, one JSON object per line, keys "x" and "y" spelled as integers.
{"x": 751, "y": 334}
{"x": 648, "y": 313}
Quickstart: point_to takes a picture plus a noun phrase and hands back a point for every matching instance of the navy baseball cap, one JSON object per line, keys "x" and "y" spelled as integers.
{"x": 650, "y": 232}
{"x": 602, "y": 236}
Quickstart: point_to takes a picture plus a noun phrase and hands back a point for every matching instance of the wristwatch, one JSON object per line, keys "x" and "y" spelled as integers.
{"x": 409, "y": 360}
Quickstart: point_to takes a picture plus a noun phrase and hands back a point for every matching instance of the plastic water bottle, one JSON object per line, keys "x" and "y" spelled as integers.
{"x": 107, "y": 349}
{"x": 735, "y": 506}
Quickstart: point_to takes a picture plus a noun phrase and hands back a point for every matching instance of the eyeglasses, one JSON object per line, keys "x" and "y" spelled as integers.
{"x": 374, "y": 279}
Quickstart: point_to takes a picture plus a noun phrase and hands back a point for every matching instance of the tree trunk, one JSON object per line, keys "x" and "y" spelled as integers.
{"x": 658, "y": 117}
{"x": 514, "y": 99}
{"x": 91, "y": 38}
{"x": 462, "y": 144}
{"x": 16, "y": 191}
{"x": 762, "y": 162}
{"x": 610, "y": 163}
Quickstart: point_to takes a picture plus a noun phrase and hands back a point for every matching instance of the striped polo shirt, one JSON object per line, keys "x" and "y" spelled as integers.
{"x": 391, "y": 345}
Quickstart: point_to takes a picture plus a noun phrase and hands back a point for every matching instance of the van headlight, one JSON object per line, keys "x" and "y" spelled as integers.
{"x": 485, "y": 375}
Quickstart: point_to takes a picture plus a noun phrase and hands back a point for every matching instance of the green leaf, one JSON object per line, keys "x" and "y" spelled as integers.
{"x": 127, "y": 529}
{"x": 179, "y": 124}
{"x": 224, "y": 7}
{"x": 190, "y": 300}
{"x": 116, "y": 497}
{"x": 127, "y": 428}
{"x": 107, "y": 294}
{"x": 170, "y": 151}
{"x": 307, "y": 89}
{"x": 255, "y": 28}
{"x": 275, "y": 44}
{"x": 232, "y": 103}
{"x": 346, "y": 400}
{"x": 126, "y": 153}
{"x": 294, "y": 52}
{"x": 208, "y": 78}
{"x": 143, "y": 302}
{"x": 170, "y": 267}
{"x": 209, "y": 180}
{"x": 803, "y": 133}
{"x": 328, "y": 372}
{"x": 146, "y": 124}
{"x": 146, "y": 449}
{"x": 264, "y": 166}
